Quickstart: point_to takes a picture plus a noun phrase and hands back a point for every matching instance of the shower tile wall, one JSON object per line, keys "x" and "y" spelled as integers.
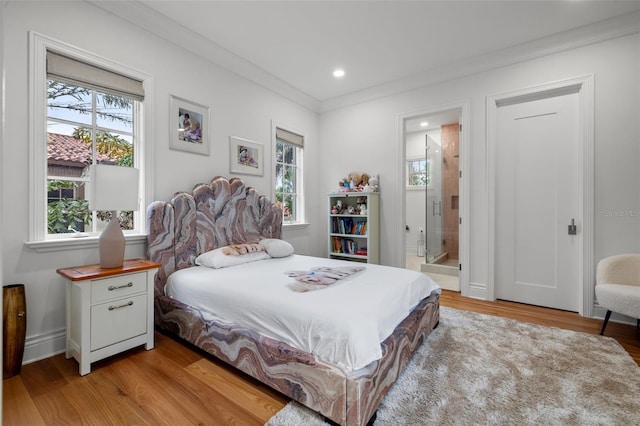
{"x": 450, "y": 191}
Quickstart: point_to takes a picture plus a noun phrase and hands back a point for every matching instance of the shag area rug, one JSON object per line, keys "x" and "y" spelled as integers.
{"x": 478, "y": 369}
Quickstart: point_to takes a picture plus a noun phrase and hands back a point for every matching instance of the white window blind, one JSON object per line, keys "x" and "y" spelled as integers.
{"x": 289, "y": 137}
{"x": 72, "y": 71}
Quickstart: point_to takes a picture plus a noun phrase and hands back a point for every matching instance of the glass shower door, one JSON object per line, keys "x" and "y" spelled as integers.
{"x": 434, "y": 200}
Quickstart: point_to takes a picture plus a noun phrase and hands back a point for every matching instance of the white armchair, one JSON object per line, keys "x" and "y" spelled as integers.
{"x": 618, "y": 286}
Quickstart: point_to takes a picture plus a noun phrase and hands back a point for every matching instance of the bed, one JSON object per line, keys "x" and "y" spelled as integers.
{"x": 225, "y": 212}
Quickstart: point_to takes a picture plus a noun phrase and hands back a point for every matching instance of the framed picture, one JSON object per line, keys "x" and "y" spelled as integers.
{"x": 188, "y": 126}
{"x": 245, "y": 156}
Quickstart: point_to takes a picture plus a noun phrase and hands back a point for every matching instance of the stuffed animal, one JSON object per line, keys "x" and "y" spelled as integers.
{"x": 373, "y": 183}
{"x": 354, "y": 179}
{"x": 364, "y": 180}
{"x": 356, "y": 182}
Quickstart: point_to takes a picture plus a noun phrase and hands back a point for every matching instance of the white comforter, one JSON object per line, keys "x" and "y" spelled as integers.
{"x": 343, "y": 323}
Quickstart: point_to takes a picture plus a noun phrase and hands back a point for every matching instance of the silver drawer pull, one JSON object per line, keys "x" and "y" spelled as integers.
{"x": 117, "y": 287}
{"x": 111, "y": 308}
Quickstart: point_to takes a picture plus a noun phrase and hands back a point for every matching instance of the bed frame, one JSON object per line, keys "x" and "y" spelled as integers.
{"x": 226, "y": 212}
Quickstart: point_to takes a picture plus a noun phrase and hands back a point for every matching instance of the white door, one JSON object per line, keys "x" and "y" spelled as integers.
{"x": 537, "y": 183}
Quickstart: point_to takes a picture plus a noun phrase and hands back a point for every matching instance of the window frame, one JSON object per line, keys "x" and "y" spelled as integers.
{"x": 300, "y": 181}
{"x": 408, "y": 162}
{"x": 38, "y": 238}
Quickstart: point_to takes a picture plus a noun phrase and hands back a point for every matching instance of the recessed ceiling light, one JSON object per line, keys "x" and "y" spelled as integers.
{"x": 424, "y": 124}
{"x": 339, "y": 73}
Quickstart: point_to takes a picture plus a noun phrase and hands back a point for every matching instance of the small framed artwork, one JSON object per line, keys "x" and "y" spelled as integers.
{"x": 188, "y": 126}
{"x": 246, "y": 156}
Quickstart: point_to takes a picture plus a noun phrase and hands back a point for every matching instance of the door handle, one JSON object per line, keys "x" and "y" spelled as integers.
{"x": 573, "y": 229}
{"x": 437, "y": 212}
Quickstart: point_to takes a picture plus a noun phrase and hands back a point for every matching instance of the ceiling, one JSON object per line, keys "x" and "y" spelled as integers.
{"x": 433, "y": 121}
{"x": 293, "y": 46}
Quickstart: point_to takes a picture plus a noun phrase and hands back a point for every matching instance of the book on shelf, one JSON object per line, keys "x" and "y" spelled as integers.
{"x": 344, "y": 245}
{"x": 336, "y": 244}
{"x": 347, "y": 225}
{"x": 360, "y": 228}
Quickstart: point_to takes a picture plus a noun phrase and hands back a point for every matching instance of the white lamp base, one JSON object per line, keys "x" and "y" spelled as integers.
{"x": 112, "y": 244}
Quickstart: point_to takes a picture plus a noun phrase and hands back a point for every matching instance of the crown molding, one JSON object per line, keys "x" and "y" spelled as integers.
{"x": 164, "y": 27}
{"x": 578, "y": 37}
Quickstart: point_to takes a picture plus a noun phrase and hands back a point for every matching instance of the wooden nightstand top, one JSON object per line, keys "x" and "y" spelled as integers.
{"x": 89, "y": 272}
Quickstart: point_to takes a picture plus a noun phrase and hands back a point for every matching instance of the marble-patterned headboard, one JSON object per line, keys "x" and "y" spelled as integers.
{"x": 213, "y": 215}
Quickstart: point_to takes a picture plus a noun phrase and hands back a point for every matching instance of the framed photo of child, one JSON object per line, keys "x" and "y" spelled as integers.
{"x": 245, "y": 156}
{"x": 189, "y": 126}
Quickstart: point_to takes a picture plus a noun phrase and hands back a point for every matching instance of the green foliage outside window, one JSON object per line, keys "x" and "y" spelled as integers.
{"x": 108, "y": 144}
{"x": 286, "y": 180}
{"x": 66, "y": 214}
{"x": 418, "y": 173}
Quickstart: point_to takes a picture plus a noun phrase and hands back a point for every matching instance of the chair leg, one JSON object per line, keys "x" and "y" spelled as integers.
{"x": 606, "y": 320}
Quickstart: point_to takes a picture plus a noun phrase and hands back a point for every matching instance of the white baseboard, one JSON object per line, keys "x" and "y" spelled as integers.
{"x": 599, "y": 312}
{"x": 449, "y": 284}
{"x": 477, "y": 291}
{"x": 44, "y": 346}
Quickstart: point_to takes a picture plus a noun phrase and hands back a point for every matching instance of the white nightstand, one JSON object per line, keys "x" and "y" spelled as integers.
{"x": 108, "y": 310}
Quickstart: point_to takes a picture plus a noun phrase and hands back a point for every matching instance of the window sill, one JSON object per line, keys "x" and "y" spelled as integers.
{"x": 76, "y": 243}
{"x": 294, "y": 226}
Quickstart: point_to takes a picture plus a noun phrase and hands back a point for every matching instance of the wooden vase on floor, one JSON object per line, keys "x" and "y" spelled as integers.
{"x": 14, "y": 328}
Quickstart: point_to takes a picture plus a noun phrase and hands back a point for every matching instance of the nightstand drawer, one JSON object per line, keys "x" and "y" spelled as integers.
{"x": 117, "y": 286}
{"x": 109, "y": 310}
{"x": 118, "y": 320}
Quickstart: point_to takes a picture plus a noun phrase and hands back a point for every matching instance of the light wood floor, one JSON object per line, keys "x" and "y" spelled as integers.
{"x": 178, "y": 384}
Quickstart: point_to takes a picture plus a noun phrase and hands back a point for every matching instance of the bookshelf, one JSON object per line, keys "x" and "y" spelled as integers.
{"x": 353, "y": 233}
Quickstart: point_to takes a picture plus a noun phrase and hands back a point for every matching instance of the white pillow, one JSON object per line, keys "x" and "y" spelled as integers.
{"x": 276, "y": 247}
{"x": 218, "y": 259}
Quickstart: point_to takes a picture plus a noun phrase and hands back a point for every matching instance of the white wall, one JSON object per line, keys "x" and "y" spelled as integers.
{"x": 238, "y": 108}
{"x": 359, "y": 138}
{"x": 366, "y": 137}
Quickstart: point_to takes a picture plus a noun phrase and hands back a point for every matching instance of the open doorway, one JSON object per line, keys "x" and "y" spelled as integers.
{"x": 432, "y": 195}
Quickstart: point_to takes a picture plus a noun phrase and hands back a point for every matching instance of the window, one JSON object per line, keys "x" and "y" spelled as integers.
{"x": 84, "y": 127}
{"x": 418, "y": 172}
{"x": 289, "y": 189}
{"x": 92, "y": 114}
